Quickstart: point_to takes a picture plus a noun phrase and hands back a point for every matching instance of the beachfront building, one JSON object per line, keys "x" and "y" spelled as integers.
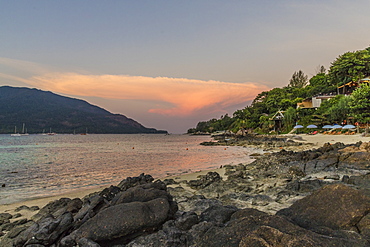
{"x": 315, "y": 101}
{"x": 278, "y": 120}
{"x": 345, "y": 89}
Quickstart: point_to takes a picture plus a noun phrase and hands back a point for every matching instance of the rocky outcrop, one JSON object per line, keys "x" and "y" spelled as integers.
{"x": 318, "y": 197}
{"x": 336, "y": 206}
{"x": 117, "y": 214}
{"x": 227, "y": 226}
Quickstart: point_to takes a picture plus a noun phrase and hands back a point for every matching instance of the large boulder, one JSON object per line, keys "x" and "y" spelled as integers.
{"x": 122, "y": 222}
{"x": 250, "y": 227}
{"x": 336, "y": 206}
{"x": 134, "y": 181}
{"x": 142, "y": 193}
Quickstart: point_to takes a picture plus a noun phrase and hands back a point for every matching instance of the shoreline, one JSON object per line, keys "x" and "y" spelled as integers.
{"x": 316, "y": 140}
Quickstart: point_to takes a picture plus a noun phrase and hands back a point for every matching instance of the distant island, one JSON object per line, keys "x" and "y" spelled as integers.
{"x": 36, "y": 111}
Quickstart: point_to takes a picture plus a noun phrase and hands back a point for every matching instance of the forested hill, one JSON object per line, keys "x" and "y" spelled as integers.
{"x": 346, "y": 84}
{"x": 41, "y": 111}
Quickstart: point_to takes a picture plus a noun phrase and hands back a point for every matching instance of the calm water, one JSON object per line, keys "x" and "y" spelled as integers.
{"x": 36, "y": 165}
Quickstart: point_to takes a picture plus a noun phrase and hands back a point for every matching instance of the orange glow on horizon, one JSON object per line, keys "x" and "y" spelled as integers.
{"x": 186, "y": 96}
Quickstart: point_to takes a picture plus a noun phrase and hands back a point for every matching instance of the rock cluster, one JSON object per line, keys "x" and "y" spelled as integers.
{"x": 318, "y": 197}
{"x": 265, "y": 142}
{"x": 119, "y": 214}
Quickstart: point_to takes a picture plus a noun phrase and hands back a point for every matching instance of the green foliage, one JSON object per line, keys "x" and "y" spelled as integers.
{"x": 359, "y": 104}
{"x": 298, "y": 80}
{"x": 290, "y": 117}
{"x": 320, "y": 84}
{"x": 350, "y": 66}
{"x": 339, "y": 109}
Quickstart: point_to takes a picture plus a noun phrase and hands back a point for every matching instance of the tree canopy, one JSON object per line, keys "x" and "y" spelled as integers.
{"x": 350, "y": 66}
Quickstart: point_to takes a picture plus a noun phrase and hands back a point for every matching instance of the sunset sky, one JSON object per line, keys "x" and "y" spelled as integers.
{"x": 170, "y": 64}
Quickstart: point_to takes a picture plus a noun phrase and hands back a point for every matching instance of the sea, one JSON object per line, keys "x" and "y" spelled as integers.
{"x": 36, "y": 166}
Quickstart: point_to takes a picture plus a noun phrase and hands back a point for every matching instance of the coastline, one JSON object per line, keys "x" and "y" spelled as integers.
{"x": 312, "y": 141}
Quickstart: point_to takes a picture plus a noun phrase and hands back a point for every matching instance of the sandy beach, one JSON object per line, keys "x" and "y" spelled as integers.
{"x": 320, "y": 139}
{"x": 316, "y": 141}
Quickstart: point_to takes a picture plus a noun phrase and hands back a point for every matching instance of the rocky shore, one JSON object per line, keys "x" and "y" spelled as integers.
{"x": 315, "y": 197}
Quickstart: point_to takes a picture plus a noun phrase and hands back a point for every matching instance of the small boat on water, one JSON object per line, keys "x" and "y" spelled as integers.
{"x": 24, "y": 131}
{"x": 15, "y": 132}
{"x": 51, "y": 133}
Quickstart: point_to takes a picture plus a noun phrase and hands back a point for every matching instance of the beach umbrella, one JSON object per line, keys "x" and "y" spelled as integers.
{"x": 327, "y": 127}
{"x": 349, "y": 126}
{"x": 311, "y": 126}
{"x": 336, "y": 126}
{"x": 298, "y": 126}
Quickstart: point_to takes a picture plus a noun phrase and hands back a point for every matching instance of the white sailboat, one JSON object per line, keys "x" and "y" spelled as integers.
{"x": 15, "y": 132}
{"x": 51, "y": 133}
{"x": 24, "y": 131}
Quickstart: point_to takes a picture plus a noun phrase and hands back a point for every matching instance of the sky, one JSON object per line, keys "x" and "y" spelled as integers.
{"x": 169, "y": 64}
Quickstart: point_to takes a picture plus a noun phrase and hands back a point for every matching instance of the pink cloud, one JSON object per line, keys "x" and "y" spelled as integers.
{"x": 185, "y": 96}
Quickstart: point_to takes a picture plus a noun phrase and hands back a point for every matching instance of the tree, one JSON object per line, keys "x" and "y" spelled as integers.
{"x": 359, "y": 104}
{"x": 340, "y": 110}
{"x": 351, "y": 66}
{"x": 290, "y": 117}
{"x": 320, "y": 70}
{"x": 298, "y": 80}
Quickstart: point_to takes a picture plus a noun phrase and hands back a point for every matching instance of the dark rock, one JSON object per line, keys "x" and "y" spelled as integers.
{"x": 168, "y": 181}
{"x": 134, "y": 181}
{"x": 59, "y": 207}
{"x": 123, "y": 220}
{"x": 236, "y": 175}
{"x": 141, "y": 193}
{"x": 362, "y": 181}
{"x": 364, "y": 226}
{"x": 333, "y": 177}
{"x": 305, "y": 185}
{"x": 34, "y": 208}
{"x": 240, "y": 167}
{"x": 84, "y": 242}
{"x": 205, "y": 180}
{"x": 5, "y": 217}
{"x": 261, "y": 200}
{"x": 18, "y": 229}
{"x": 174, "y": 236}
{"x": 158, "y": 239}
{"x": 23, "y": 207}
{"x": 247, "y": 212}
{"x": 296, "y": 171}
{"x": 218, "y": 214}
{"x": 261, "y": 229}
{"x": 110, "y": 193}
{"x": 187, "y": 220}
{"x": 345, "y": 179}
{"x": 199, "y": 205}
{"x": 11, "y": 225}
{"x": 89, "y": 209}
{"x": 17, "y": 215}
{"x": 357, "y": 160}
{"x": 47, "y": 230}
{"x": 335, "y": 206}
{"x": 170, "y": 235}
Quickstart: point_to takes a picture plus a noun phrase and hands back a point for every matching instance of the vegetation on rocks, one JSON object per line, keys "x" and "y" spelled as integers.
{"x": 349, "y": 67}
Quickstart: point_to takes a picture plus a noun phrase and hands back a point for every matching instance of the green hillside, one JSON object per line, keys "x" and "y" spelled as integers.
{"x": 345, "y": 98}
{"x": 41, "y": 111}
